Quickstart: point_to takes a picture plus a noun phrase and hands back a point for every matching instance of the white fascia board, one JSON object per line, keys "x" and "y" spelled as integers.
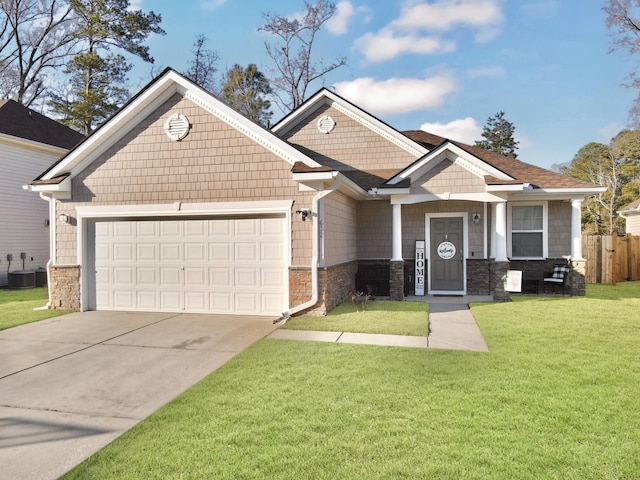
{"x": 386, "y": 192}
{"x": 326, "y": 97}
{"x": 557, "y": 193}
{"x": 184, "y": 209}
{"x": 519, "y": 187}
{"x": 314, "y": 176}
{"x": 432, "y": 197}
{"x": 455, "y": 154}
{"x": 62, "y": 187}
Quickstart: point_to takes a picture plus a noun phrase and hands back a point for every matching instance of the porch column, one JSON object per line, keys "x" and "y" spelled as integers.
{"x": 576, "y": 230}
{"x": 501, "y": 232}
{"x": 396, "y": 245}
{"x": 396, "y": 267}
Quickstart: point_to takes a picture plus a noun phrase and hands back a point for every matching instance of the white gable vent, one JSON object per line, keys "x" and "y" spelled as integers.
{"x": 177, "y": 126}
{"x": 326, "y": 124}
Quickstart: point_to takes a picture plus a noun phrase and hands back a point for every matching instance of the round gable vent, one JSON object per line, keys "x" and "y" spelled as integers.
{"x": 177, "y": 126}
{"x": 326, "y": 124}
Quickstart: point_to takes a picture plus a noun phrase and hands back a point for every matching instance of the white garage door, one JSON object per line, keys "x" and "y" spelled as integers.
{"x": 218, "y": 265}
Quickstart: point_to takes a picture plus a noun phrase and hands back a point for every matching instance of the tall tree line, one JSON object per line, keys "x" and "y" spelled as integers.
{"x": 87, "y": 40}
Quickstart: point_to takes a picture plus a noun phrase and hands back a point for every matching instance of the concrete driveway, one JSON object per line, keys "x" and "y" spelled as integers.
{"x": 70, "y": 385}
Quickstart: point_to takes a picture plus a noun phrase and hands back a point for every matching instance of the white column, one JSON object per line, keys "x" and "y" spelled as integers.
{"x": 501, "y": 232}
{"x": 492, "y": 252}
{"x": 396, "y": 245}
{"x": 576, "y": 230}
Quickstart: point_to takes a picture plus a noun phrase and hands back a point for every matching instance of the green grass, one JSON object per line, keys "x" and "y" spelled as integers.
{"x": 16, "y": 307}
{"x": 555, "y": 398}
{"x": 380, "y": 316}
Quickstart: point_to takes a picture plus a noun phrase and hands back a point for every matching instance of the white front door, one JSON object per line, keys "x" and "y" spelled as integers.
{"x": 215, "y": 265}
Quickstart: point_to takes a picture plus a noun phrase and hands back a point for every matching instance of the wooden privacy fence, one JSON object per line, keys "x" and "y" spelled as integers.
{"x": 611, "y": 258}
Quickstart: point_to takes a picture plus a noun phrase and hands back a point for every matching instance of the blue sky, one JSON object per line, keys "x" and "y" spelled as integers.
{"x": 441, "y": 65}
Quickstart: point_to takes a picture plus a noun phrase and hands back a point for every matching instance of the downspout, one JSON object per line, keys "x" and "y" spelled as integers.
{"x": 316, "y": 247}
{"x": 52, "y": 241}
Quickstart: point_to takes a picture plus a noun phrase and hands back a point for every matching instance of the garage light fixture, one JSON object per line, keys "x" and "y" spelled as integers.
{"x": 64, "y": 218}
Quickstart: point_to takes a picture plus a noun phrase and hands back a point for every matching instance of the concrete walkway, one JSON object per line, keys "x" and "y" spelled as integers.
{"x": 72, "y": 384}
{"x": 451, "y": 327}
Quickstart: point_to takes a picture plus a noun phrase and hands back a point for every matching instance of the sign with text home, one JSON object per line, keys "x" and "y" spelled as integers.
{"x": 420, "y": 267}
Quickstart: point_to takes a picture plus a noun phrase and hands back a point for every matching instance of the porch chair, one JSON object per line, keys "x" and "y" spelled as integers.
{"x": 557, "y": 279}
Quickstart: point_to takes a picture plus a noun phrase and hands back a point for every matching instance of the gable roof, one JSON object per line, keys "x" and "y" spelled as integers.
{"x": 159, "y": 90}
{"x": 326, "y": 97}
{"x": 632, "y": 209}
{"x": 19, "y": 121}
{"x": 516, "y": 170}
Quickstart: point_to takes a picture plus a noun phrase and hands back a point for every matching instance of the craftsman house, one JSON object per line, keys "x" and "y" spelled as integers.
{"x": 29, "y": 143}
{"x": 179, "y": 203}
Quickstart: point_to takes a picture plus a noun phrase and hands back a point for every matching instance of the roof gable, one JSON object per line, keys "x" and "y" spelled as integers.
{"x": 147, "y": 101}
{"x": 323, "y": 98}
{"x": 19, "y": 121}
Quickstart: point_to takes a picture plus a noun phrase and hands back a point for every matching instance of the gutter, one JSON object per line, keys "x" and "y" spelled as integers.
{"x": 316, "y": 247}
{"x": 52, "y": 242}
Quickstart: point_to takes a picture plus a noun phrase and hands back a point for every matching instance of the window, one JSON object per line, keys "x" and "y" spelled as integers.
{"x": 528, "y": 231}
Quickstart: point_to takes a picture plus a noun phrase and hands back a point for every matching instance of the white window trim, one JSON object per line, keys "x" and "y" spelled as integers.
{"x": 545, "y": 229}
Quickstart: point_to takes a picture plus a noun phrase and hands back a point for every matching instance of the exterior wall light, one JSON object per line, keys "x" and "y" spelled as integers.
{"x": 476, "y": 217}
{"x": 304, "y": 213}
{"x": 64, "y": 218}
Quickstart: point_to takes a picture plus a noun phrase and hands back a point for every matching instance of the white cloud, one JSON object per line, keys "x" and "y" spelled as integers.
{"x": 212, "y": 4}
{"x": 447, "y": 15}
{"x": 397, "y": 95}
{"x": 388, "y": 44}
{"x": 340, "y": 21}
{"x": 421, "y": 26}
{"x": 465, "y": 130}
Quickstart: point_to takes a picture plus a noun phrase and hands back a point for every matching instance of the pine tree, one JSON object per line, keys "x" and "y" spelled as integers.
{"x": 498, "y": 136}
{"x": 97, "y": 76}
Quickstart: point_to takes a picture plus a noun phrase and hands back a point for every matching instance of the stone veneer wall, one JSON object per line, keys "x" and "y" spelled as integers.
{"x": 577, "y": 278}
{"x": 396, "y": 280}
{"x": 478, "y": 277}
{"x": 64, "y": 285}
{"x": 498, "y": 271}
{"x": 335, "y": 285}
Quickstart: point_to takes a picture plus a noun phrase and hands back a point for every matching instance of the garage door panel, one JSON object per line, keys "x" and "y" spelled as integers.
{"x": 123, "y": 252}
{"x": 246, "y": 226}
{"x": 221, "y": 302}
{"x": 123, "y": 276}
{"x": 220, "y": 252}
{"x": 147, "y": 276}
{"x": 195, "y": 276}
{"x": 123, "y": 299}
{"x": 206, "y": 266}
{"x": 273, "y": 278}
{"x": 246, "y": 277}
{"x": 170, "y": 252}
{"x": 147, "y": 252}
{"x": 246, "y": 252}
{"x": 170, "y": 276}
{"x": 220, "y": 277}
{"x": 146, "y": 300}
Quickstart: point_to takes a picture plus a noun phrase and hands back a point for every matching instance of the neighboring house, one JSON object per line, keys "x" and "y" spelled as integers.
{"x": 29, "y": 143}
{"x": 631, "y": 214}
{"x": 178, "y": 203}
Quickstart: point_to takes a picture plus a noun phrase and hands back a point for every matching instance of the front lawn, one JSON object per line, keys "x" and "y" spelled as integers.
{"x": 380, "y": 316}
{"x": 17, "y": 307}
{"x": 555, "y": 398}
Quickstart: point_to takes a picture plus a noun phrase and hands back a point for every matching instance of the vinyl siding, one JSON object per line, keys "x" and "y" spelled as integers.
{"x": 448, "y": 177}
{"x": 339, "y": 232}
{"x": 23, "y": 213}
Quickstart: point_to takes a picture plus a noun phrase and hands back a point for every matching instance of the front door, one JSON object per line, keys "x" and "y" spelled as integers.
{"x": 446, "y": 259}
